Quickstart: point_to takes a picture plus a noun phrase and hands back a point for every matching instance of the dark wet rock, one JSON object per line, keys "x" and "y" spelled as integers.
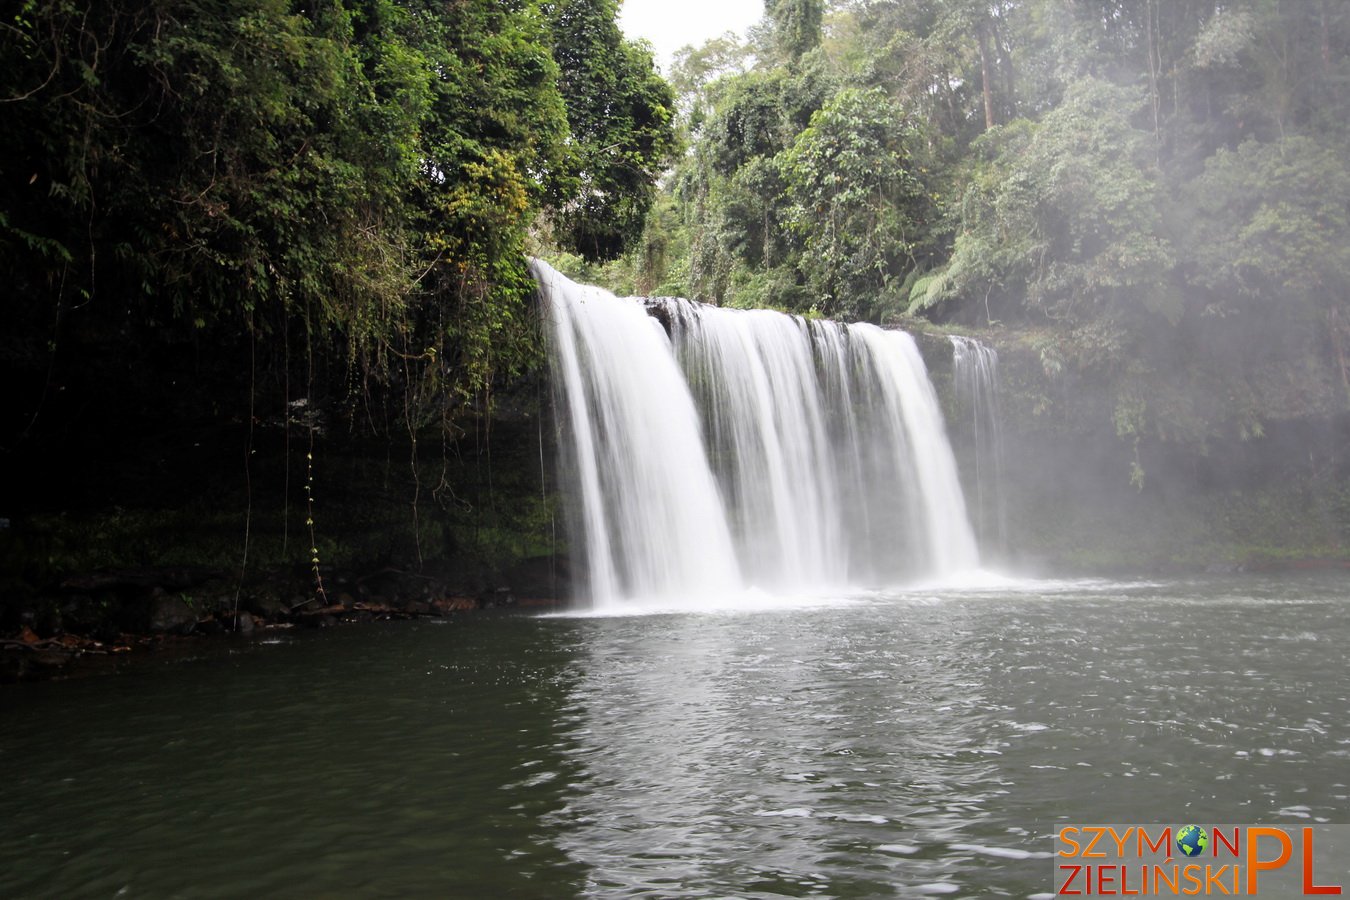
{"x": 660, "y": 309}
{"x": 48, "y": 622}
{"x": 210, "y": 626}
{"x": 497, "y": 599}
{"x": 540, "y": 577}
{"x": 92, "y": 620}
{"x": 266, "y": 604}
{"x": 84, "y": 614}
{"x": 52, "y": 659}
{"x": 50, "y": 663}
{"x": 13, "y": 666}
{"x": 107, "y": 632}
{"x": 216, "y": 604}
{"x": 447, "y": 605}
{"x": 381, "y": 586}
{"x": 170, "y": 614}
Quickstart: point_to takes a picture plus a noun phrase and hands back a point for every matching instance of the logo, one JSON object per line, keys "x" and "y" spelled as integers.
{"x": 1192, "y": 840}
{"x": 1196, "y": 860}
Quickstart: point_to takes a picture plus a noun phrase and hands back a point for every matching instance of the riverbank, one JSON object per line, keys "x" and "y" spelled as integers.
{"x": 103, "y": 623}
{"x": 91, "y": 622}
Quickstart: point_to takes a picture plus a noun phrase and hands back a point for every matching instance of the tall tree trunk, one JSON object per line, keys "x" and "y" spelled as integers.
{"x": 1005, "y": 59}
{"x": 1339, "y": 334}
{"x": 1152, "y": 45}
{"x": 1326, "y": 40}
{"x": 982, "y": 33}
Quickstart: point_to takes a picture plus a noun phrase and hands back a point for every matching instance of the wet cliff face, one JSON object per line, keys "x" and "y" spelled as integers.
{"x": 148, "y": 510}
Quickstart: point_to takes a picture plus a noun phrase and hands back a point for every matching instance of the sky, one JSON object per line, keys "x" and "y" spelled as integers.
{"x": 670, "y": 25}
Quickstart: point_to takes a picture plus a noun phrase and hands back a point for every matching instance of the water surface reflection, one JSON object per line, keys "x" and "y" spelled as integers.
{"x": 929, "y": 741}
{"x": 901, "y": 744}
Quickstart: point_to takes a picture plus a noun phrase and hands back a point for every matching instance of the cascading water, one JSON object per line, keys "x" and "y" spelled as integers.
{"x": 649, "y": 514}
{"x": 975, "y": 374}
{"x": 746, "y": 448}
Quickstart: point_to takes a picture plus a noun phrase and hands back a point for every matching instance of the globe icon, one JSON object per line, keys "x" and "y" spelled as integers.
{"x": 1192, "y": 840}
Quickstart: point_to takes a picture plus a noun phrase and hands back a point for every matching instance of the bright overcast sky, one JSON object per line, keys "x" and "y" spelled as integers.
{"x": 670, "y": 24}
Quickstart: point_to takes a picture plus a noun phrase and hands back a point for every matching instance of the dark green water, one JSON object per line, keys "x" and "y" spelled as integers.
{"x": 914, "y": 744}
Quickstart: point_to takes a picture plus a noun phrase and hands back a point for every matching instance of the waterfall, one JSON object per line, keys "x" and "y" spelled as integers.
{"x": 975, "y": 375}
{"x": 706, "y": 450}
{"x": 651, "y": 520}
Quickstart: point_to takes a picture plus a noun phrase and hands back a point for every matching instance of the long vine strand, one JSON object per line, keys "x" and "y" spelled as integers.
{"x": 309, "y": 520}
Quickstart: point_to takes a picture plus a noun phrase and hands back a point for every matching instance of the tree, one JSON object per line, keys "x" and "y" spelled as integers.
{"x": 1272, "y": 220}
{"x": 857, "y": 201}
{"x": 493, "y": 140}
{"x": 796, "y": 26}
{"x": 183, "y": 167}
{"x": 342, "y": 188}
{"x": 621, "y": 116}
{"x": 731, "y": 187}
{"x": 1065, "y": 214}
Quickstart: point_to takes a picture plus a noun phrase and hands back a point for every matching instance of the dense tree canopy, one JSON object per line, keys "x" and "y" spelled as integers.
{"x": 854, "y": 199}
{"x": 344, "y": 191}
{"x": 1161, "y": 185}
{"x": 621, "y": 115}
{"x": 346, "y": 184}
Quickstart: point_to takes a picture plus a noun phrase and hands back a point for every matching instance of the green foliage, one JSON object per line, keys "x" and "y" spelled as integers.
{"x": 1268, "y": 220}
{"x": 730, "y": 190}
{"x": 696, "y": 69}
{"x": 857, "y": 202}
{"x": 1157, "y": 184}
{"x": 621, "y": 118}
{"x": 1069, "y": 209}
{"x": 175, "y": 149}
{"x": 342, "y": 193}
{"x": 359, "y": 176}
{"x": 267, "y": 222}
{"x": 796, "y": 25}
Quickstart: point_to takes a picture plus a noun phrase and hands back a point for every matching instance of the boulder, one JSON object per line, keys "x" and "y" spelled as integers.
{"x": 171, "y": 614}
{"x": 266, "y": 604}
{"x": 83, "y": 614}
{"x": 498, "y": 598}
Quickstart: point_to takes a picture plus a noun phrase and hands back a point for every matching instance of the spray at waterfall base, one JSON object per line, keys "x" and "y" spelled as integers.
{"x": 1199, "y": 860}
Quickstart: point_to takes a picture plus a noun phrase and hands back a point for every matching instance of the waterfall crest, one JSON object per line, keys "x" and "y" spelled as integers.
{"x": 732, "y": 449}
